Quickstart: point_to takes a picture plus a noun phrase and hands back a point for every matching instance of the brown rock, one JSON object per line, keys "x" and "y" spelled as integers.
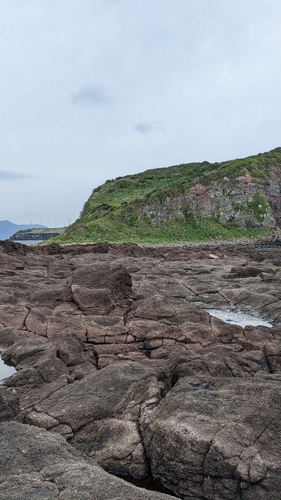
{"x": 102, "y": 328}
{"x": 70, "y": 348}
{"x": 101, "y": 334}
{"x": 93, "y": 301}
{"x": 37, "y": 320}
{"x": 102, "y": 276}
{"x": 116, "y": 445}
{"x": 61, "y": 324}
{"x": 41, "y": 465}
{"x": 13, "y": 316}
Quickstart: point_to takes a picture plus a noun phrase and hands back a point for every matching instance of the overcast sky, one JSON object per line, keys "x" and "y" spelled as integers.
{"x": 95, "y": 89}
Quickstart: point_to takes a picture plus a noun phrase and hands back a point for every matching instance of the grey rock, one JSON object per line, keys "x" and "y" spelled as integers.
{"x": 9, "y": 404}
{"x": 39, "y": 465}
{"x": 216, "y": 438}
{"x": 108, "y": 392}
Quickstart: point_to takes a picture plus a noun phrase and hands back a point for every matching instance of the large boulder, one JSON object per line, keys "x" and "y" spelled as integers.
{"x": 215, "y": 438}
{"x": 102, "y": 411}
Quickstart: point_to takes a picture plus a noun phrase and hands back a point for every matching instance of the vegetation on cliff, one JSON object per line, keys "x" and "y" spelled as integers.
{"x": 117, "y": 210}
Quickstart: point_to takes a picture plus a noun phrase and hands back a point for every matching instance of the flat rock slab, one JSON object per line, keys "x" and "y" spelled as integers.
{"x": 102, "y": 394}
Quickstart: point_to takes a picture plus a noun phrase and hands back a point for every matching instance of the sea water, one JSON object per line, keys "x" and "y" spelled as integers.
{"x": 5, "y": 371}
{"x": 28, "y": 242}
{"x": 239, "y": 317}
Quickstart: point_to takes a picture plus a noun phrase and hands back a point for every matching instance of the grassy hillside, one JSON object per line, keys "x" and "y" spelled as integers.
{"x": 111, "y": 212}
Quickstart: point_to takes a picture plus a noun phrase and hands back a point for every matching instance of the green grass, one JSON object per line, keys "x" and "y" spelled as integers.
{"x": 257, "y": 206}
{"x": 112, "y": 212}
{"x": 114, "y": 231}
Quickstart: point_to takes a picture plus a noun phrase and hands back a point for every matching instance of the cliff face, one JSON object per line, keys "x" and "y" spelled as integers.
{"x": 247, "y": 202}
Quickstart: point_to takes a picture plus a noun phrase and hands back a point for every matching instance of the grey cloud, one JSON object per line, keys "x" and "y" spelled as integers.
{"x": 91, "y": 95}
{"x": 12, "y": 176}
{"x": 147, "y": 127}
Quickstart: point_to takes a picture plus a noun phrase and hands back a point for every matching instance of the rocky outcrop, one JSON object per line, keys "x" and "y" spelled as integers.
{"x": 244, "y": 202}
{"x": 122, "y": 370}
{"x": 215, "y": 438}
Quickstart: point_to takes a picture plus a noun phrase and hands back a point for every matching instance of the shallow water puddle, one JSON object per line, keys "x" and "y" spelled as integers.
{"x": 240, "y": 318}
{"x": 6, "y": 371}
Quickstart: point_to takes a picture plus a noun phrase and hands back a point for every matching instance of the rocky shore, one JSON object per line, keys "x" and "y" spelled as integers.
{"x": 122, "y": 373}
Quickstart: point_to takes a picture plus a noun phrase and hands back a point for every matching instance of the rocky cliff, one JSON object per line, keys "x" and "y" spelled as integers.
{"x": 186, "y": 202}
{"x": 122, "y": 371}
{"x": 245, "y": 203}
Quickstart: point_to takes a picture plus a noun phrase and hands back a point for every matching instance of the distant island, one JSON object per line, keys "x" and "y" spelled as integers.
{"x": 7, "y": 228}
{"x": 27, "y": 232}
{"x": 37, "y": 234}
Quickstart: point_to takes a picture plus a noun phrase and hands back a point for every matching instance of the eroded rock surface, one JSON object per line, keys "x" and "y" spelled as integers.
{"x": 36, "y": 464}
{"x": 116, "y": 353}
{"x": 215, "y": 438}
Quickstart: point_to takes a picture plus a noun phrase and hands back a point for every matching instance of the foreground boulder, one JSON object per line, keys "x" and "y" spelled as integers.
{"x": 217, "y": 438}
{"x": 39, "y": 465}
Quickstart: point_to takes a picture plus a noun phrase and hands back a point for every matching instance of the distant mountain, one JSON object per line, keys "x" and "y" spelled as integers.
{"x": 8, "y": 228}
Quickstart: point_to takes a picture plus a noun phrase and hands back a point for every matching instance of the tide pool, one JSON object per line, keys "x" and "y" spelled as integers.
{"x": 6, "y": 371}
{"x": 239, "y": 317}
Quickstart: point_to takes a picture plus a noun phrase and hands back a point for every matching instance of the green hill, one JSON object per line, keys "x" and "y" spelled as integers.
{"x": 186, "y": 202}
